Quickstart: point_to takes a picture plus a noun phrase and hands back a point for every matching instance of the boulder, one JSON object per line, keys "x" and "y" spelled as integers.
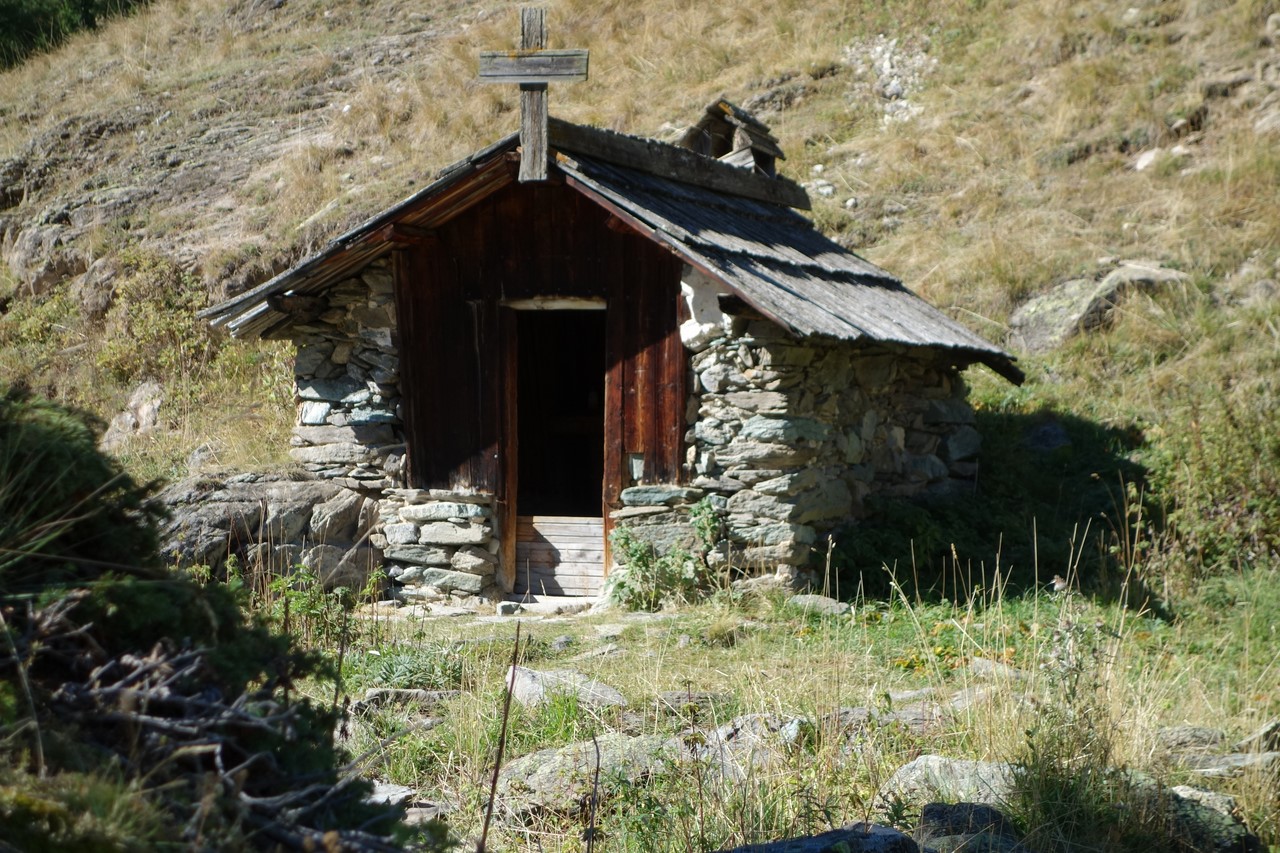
{"x": 938, "y": 778}
{"x": 854, "y": 838}
{"x": 949, "y": 828}
{"x": 820, "y": 605}
{"x": 752, "y": 743}
{"x": 1083, "y": 305}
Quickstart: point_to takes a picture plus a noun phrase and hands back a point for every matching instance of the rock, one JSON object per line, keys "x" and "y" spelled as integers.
{"x": 1233, "y": 764}
{"x": 40, "y": 256}
{"x": 755, "y": 742}
{"x": 1268, "y": 736}
{"x": 644, "y": 496}
{"x": 314, "y": 413}
{"x": 1198, "y": 820}
{"x": 419, "y": 555}
{"x": 333, "y": 454}
{"x": 854, "y": 838}
{"x": 336, "y": 519}
{"x": 344, "y": 390}
{"x": 474, "y": 560}
{"x": 935, "y": 778}
{"x": 784, "y": 430}
{"x": 758, "y": 401}
{"x": 95, "y": 290}
{"x": 390, "y": 794}
{"x": 561, "y": 780}
{"x": 1082, "y": 305}
{"x": 446, "y": 533}
{"x": 405, "y": 533}
{"x": 367, "y": 434}
{"x": 819, "y": 604}
{"x": 451, "y": 581}
{"x": 285, "y": 521}
{"x": 508, "y": 608}
{"x": 984, "y": 668}
{"x": 962, "y": 445}
{"x": 141, "y": 415}
{"x": 534, "y": 687}
{"x": 442, "y": 511}
{"x": 376, "y": 697}
{"x": 1195, "y": 738}
{"x": 783, "y": 579}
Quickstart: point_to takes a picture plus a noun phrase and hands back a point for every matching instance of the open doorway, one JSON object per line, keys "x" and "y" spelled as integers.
{"x": 560, "y": 412}
{"x": 560, "y": 451}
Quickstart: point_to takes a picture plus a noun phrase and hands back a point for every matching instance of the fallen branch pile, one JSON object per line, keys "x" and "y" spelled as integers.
{"x": 226, "y": 768}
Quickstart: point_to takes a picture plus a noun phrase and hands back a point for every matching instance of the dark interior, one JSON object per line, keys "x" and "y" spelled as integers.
{"x": 560, "y": 412}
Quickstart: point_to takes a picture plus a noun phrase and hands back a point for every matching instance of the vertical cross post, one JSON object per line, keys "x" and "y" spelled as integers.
{"x": 533, "y": 67}
{"x": 533, "y": 101}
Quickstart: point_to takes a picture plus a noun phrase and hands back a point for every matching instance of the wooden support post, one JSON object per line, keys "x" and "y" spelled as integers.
{"x": 533, "y": 67}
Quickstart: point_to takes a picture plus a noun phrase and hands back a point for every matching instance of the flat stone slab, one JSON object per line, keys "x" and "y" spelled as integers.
{"x": 534, "y": 687}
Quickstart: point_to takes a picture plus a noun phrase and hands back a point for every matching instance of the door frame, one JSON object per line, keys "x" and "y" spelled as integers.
{"x": 509, "y": 477}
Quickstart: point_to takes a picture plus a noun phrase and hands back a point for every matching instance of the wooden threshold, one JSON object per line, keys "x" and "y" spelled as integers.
{"x": 559, "y": 555}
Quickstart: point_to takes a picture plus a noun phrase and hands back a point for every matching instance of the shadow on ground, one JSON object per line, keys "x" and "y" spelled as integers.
{"x": 1055, "y": 495}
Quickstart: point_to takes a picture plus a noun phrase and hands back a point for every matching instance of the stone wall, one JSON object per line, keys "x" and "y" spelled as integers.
{"x": 348, "y": 386}
{"x": 787, "y": 438}
{"x": 436, "y": 543}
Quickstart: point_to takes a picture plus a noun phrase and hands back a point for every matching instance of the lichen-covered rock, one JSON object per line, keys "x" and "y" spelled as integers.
{"x": 561, "y": 780}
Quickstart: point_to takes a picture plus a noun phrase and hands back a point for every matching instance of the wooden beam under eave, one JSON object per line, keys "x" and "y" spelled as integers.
{"x": 400, "y": 234}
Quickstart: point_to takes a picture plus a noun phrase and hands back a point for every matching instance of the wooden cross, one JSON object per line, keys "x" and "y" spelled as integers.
{"x": 533, "y": 67}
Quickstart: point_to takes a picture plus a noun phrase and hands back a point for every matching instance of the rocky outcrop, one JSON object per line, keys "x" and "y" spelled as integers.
{"x": 271, "y": 524}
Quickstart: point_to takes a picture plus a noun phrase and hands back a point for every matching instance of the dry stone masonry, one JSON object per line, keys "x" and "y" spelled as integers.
{"x": 348, "y": 386}
{"x": 785, "y": 441}
{"x": 787, "y": 438}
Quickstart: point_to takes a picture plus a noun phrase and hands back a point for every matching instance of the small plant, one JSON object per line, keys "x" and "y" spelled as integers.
{"x": 648, "y": 579}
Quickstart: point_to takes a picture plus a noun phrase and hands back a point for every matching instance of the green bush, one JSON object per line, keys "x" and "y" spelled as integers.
{"x": 153, "y": 329}
{"x": 646, "y": 578}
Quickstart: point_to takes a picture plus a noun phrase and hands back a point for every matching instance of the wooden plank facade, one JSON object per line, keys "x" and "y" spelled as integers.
{"x": 460, "y": 348}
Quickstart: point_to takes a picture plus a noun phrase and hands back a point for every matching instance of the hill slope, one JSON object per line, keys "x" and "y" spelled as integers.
{"x": 983, "y": 151}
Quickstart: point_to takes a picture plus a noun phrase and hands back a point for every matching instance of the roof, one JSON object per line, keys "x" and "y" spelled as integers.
{"x": 731, "y": 223}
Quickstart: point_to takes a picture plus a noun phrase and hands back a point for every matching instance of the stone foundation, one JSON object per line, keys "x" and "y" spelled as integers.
{"x": 436, "y": 543}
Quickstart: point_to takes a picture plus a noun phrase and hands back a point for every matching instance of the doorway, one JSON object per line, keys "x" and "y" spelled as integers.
{"x": 560, "y": 420}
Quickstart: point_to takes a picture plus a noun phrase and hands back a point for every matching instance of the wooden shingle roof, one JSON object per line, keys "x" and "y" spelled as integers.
{"x": 731, "y": 223}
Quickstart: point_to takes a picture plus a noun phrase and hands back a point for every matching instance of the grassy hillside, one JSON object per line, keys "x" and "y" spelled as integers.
{"x": 983, "y": 151}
